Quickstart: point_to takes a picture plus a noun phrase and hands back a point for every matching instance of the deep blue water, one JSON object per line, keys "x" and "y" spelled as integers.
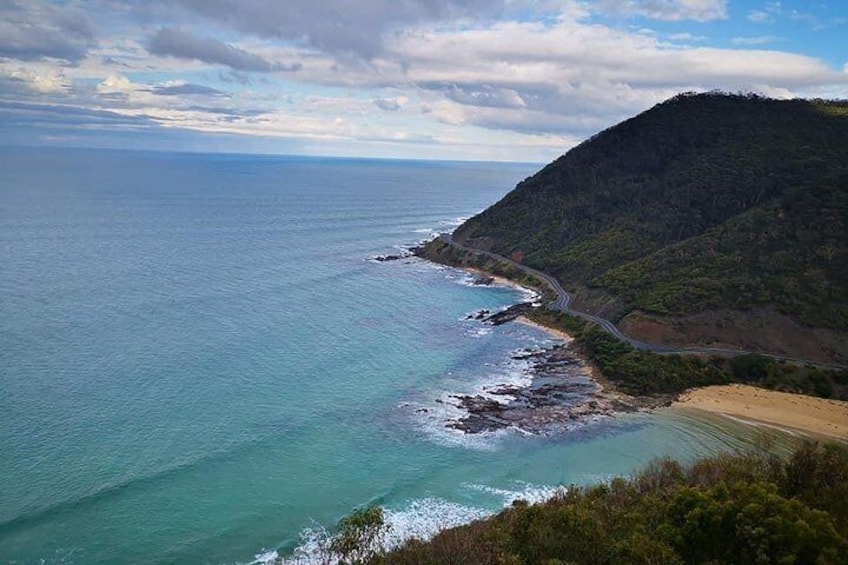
{"x": 199, "y": 362}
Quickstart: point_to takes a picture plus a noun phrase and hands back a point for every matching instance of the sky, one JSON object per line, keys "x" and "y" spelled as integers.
{"x": 508, "y": 80}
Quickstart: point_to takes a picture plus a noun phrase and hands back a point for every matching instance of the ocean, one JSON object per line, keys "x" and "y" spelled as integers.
{"x": 201, "y": 361}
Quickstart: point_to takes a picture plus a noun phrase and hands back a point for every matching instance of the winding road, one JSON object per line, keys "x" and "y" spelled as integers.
{"x": 562, "y": 303}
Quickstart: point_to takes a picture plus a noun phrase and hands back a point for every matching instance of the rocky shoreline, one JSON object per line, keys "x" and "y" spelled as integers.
{"x": 564, "y": 392}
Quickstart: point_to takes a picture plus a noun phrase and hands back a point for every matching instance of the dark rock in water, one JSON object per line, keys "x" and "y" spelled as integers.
{"x": 561, "y": 395}
{"x": 384, "y": 258}
{"x": 478, "y": 315}
{"x": 510, "y": 314}
{"x": 529, "y": 355}
{"x": 482, "y": 280}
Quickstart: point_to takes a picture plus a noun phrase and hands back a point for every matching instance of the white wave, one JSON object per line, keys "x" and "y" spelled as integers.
{"x": 480, "y": 331}
{"x": 424, "y": 518}
{"x": 456, "y": 222}
{"x": 534, "y": 494}
{"x": 529, "y": 295}
{"x": 434, "y": 416}
{"x": 525, "y": 294}
{"x": 265, "y": 557}
{"x": 418, "y": 519}
{"x": 313, "y": 549}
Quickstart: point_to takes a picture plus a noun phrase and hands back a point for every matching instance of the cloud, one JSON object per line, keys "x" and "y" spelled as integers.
{"x": 767, "y": 15}
{"x": 115, "y": 84}
{"x": 24, "y": 80}
{"x": 21, "y": 114}
{"x": 686, "y": 37}
{"x": 174, "y": 42}
{"x": 186, "y": 89}
{"x": 669, "y": 10}
{"x": 759, "y": 16}
{"x": 545, "y": 73}
{"x": 36, "y": 30}
{"x": 758, "y": 40}
{"x": 572, "y": 78}
{"x": 390, "y": 104}
{"x": 483, "y": 95}
{"x": 806, "y": 18}
{"x": 334, "y": 26}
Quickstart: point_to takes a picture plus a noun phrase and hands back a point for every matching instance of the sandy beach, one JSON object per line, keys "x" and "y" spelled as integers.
{"x": 807, "y": 414}
{"x": 551, "y": 331}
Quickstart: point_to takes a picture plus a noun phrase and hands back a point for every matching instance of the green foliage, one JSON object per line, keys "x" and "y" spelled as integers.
{"x": 646, "y": 373}
{"x": 704, "y": 202}
{"x": 358, "y": 534}
{"x": 732, "y": 508}
{"x": 749, "y": 523}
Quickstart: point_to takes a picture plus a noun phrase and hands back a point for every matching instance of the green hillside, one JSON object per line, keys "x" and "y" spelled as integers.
{"x": 705, "y": 203}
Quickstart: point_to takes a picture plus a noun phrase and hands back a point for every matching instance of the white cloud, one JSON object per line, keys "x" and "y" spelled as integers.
{"x": 669, "y": 10}
{"x": 806, "y": 18}
{"x": 115, "y": 84}
{"x": 759, "y": 16}
{"x": 758, "y": 40}
{"x": 767, "y": 15}
{"x": 686, "y": 37}
{"x": 42, "y": 82}
{"x": 424, "y": 78}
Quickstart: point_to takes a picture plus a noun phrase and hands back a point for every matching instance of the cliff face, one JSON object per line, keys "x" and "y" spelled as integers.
{"x": 710, "y": 218}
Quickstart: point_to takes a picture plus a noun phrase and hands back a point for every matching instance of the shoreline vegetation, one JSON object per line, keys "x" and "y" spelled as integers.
{"x": 745, "y": 507}
{"x": 629, "y": 379}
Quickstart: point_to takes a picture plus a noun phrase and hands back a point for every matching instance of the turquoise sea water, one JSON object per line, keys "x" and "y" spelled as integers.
{"x": 201, "y": 365}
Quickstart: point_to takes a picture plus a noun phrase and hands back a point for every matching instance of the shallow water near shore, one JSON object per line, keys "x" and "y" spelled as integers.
{"x": 200, "y": 363}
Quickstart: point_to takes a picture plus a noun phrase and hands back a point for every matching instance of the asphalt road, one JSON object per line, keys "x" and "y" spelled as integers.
{"x": 562, "y": 303}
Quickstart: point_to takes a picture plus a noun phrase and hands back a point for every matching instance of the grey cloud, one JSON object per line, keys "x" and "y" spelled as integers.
{"x": 335, "y": 25}
{"x": 35, "y": 30}
{"x": 113, "y": 61}
{"x": 187, "y": 90}
{"x": 26, "y": 115}
{"x": 178, "y": 43}
{"x": 234, "y": 76}
{"x": 387, "y": 104}
{"x": 229, "y": 111}
{"x": 485, "y": 96}
{"x": 533, "y": 122}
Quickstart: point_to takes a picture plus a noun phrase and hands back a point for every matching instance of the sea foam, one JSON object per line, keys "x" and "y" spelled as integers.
{"x": 421, "y": 519}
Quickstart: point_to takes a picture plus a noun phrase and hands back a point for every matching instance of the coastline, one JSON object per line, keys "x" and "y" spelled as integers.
{"x": 566, "y": 390}
{"x": 793, "y": 412}
{"x": 816, "y": 417}
{"x": 555, "y": 332}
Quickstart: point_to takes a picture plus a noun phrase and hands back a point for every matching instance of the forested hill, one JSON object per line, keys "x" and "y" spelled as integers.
{"x": 710, "y": 218}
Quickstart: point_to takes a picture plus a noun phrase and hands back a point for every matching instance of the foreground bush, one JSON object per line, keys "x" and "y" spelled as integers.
{"x": 743, "y": 508}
